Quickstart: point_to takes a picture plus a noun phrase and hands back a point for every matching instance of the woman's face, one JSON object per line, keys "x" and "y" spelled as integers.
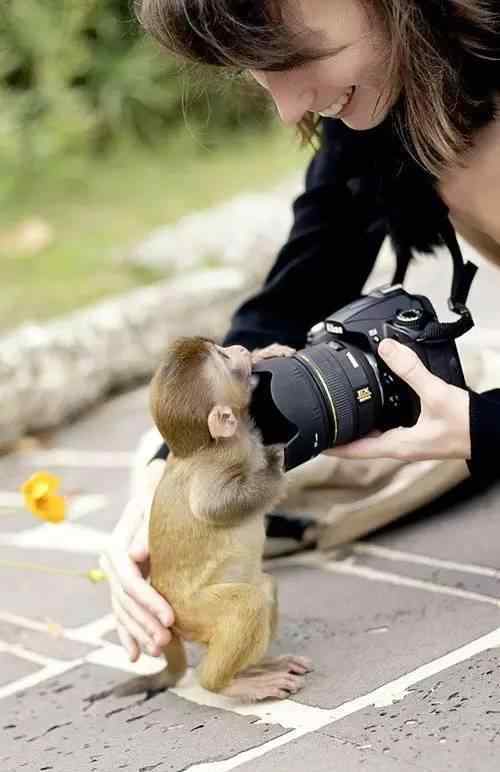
{"x": 352, "y": 83}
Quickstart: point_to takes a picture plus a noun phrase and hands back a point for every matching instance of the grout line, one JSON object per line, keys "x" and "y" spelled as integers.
{"x": 35, "y": 678}
{"x": 78, "y": 505}
{"x": 365, "y": 572}
{"x": 93, "y": 631}
{"x": 90, "y": 633}
{"x": 71, "y": 537}
{"x": 383, "y": 696}
{"x": 251, "y": 754}
{"x": 87, "y": 504}
{"x": 31, "y": 656}
{"x": 29, "y": 624}
{"x": 386, "y": 553}
{"x": 322, "y": 563}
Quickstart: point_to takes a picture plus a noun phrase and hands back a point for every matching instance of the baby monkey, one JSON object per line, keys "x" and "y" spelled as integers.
{"x": 207, "y": 526}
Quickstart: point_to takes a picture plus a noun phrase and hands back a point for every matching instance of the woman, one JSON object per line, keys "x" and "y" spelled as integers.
{"x": 405, "y": 92}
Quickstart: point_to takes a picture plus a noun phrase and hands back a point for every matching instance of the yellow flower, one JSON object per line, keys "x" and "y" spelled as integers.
{"x": 41, "y": 499}
{"x": 96, "y": 575}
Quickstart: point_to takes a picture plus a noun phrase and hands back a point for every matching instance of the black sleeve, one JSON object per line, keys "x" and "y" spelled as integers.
{"x": 331, "y": 249}
{"x": 337, "y": 231}
{"x": 484, "y": 412}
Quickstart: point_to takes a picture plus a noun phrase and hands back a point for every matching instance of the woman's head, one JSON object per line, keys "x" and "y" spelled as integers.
{"x": 422, "y": 60}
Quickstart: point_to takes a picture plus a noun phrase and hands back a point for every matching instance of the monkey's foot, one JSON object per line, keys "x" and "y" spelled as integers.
{"x": 291, "y": 663}
{"x": 288, "y": 662}
{"x": 263, "y": 686}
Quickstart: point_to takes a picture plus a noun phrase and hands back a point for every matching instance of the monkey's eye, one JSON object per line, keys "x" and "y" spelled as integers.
{"x": 223, "y": 353}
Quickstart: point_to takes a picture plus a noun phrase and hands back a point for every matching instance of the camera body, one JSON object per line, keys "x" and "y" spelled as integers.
{"x": 390, "y": 312}
{"x": 338, "y": 388}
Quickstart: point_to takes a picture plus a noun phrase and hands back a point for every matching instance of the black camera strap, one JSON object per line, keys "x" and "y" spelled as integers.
{"x": 463, "y": 274}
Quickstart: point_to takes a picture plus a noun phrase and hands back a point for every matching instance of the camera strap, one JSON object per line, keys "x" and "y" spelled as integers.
{"x": 463, "y": 274}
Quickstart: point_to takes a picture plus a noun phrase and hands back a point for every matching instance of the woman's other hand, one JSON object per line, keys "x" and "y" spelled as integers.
{"x": 443, "y": 427}
{"x": 274, "y": 350}
{"x": 142, "y": 615}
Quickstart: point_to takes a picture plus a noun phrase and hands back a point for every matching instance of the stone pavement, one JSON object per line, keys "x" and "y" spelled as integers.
{"x": 403, "y": 629}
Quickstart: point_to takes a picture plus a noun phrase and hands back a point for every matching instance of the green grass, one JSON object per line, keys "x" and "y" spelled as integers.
{"x": 98, "y": 210}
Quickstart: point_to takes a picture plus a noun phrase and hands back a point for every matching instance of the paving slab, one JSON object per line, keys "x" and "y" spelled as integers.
{"x": 14, "y": 520}
{"x": 70, "y": 601}
{"x": 361, "y": 634}
{"x": 466, "y": 530}
{"x": 319, "y": 752}
{"x": 162, "y": 733}
{"x": 12, "y": 667}
{"x": 113, "y": 425}
{"x": 49, "y": 643}
{"x": 447, "y": 722}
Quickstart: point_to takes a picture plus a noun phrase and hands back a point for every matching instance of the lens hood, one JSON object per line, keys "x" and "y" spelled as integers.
{"x": 288, "y": 409}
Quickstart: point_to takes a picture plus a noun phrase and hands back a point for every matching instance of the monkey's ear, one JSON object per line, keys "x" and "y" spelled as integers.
{"x": 221, "y": 422}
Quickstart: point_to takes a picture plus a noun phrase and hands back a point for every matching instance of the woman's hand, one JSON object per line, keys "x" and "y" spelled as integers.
{"x": 274, "y": 350}
{"x": 142, "y": 615}
{"x": 443, "y": 428}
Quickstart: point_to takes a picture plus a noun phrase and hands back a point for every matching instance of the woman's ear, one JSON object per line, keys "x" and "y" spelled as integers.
{"x": 222, "y": 422}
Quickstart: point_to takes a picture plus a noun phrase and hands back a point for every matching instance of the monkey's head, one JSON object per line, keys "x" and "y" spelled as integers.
{"x": 200, "y": 393}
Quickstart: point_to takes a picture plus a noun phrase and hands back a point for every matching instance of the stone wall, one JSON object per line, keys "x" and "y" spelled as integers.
{"x": 49, "y": 373}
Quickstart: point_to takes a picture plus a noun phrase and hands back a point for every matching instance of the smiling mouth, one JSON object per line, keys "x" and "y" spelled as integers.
{"x": 335, "y": 110}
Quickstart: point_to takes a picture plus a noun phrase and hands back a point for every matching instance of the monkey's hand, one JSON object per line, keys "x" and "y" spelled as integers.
{"x": 275, "y": 457}
{"x": 274, "y": 350}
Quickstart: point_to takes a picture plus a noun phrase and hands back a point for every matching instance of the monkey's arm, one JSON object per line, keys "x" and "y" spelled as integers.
{"x": 237, "y": 490}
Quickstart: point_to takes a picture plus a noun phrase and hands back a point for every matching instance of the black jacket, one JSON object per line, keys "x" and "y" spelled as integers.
{"x": 360, "y": 186}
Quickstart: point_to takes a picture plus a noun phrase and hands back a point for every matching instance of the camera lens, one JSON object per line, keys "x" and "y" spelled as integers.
{"x": 349, "y": 387}
{"x": 324, "y": 395}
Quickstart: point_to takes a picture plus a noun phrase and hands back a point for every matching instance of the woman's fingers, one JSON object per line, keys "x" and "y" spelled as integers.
{"x": 128, "y": 578}
{"x": 141, "y": 625}
{"x": 132, "y": 627}
{"x": 128, "y": 642}
{"x": 405, "y": 363}
{"x": 137, "y": 596}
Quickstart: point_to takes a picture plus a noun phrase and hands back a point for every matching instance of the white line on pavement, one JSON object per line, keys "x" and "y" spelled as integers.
{"x": 68, "y": 537}
{"x": 347, "y": 566}
{"x": 29, "y": 624}
{"x": 90, "y": 633}
{"x": 365, "y": 572}
{"x": 36, "y": 678}
{"x": 93, "y": 631}
{"x": 78, "y": 506}
{"x": 31, "y": 656}
{"x": 398, "y": 556}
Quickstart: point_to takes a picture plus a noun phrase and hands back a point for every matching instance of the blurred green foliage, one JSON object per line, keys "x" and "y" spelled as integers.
{"x": 77, "y": 76}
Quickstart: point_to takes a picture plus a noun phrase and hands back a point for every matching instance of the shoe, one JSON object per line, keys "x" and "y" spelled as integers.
{"x": 286, "y": 534}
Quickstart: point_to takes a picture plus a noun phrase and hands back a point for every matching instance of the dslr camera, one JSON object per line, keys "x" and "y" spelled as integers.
{"x": 338, "y": 389}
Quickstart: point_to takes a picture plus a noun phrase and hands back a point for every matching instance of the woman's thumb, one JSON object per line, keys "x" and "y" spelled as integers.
{"x": 139, "y": 547}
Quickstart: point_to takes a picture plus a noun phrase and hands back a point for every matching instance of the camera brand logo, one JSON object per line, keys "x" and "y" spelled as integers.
{"x": 362, "y": 395}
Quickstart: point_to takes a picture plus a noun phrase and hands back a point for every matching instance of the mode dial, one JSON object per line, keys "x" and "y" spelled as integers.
{"x": 412, "y": 318}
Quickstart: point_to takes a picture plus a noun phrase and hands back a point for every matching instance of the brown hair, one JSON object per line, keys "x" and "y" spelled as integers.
{"x": 179, "y": 396}
{"x": 183, "y": 391}
{"x": 443, "y": 58}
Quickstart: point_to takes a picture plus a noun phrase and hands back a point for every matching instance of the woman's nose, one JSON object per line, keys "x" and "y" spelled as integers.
{"x": 292, "y": 99}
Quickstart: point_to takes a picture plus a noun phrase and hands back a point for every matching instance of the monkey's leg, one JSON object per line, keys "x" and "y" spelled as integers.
{"x": 175, "y": 656}
{"x": 287, "y": 662}
{"x": 238, "y": 640}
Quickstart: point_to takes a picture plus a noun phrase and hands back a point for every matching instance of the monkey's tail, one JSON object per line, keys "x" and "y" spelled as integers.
{"x": 175, "y": 655}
